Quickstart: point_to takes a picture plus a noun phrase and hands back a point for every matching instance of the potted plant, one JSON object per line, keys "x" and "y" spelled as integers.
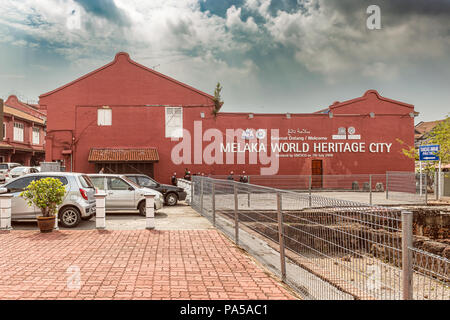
{"x": 46, "y": 194}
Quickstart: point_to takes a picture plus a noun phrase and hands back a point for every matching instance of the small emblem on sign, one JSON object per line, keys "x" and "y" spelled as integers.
{"x": 260, "y": 134}
{"x": 248, "y": 134}
{"x": 351, "y": 130}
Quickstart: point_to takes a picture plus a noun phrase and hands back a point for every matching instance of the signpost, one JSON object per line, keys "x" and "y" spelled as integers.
{"x": 430, "y": 153}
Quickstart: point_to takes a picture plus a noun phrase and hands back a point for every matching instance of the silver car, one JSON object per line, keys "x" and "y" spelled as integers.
{"x": 124, "y": 194}
{"x": 20, "y": 171}
{"x": 5, "y": 167}
{"x": 78, "y": 203}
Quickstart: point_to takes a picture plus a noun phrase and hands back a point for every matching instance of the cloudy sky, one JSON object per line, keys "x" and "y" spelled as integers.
{"x": 269, "y": 55}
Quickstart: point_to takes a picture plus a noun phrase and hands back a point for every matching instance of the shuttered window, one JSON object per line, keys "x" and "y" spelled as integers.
{"x": 35, "y": 135}
{"x": 104, "y": 117}
{"x": 18, "y": 131}
{"x": 174, "y": 122}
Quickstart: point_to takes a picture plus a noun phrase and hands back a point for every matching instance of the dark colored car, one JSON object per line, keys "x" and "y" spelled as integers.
{"x": 171, "y": 193}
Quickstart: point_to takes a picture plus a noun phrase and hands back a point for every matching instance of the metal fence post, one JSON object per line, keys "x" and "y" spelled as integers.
{"x": 150, "y": 211}
{"x": 236, "y": 215}
{"x": 387, "y": 185}
{"x": 436, "y": 185}
{"x": 100, "y": 208}
{"x": 370, "y": 189}
{"x": 310, "y": 187}
{"x": 201, "y": 196}
{"x": 5, "y": 212}
{"x": 407, "y": 242}
{"x": 426, "y": 189}
{"x": 192, "y": 192}
{"x": 248, "y": 191}
{"x": 214, "y": 203}
{"x": 281, "y": 237}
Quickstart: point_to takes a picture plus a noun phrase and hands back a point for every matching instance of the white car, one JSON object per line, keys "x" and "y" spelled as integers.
{"x": 5, "y": 167}
{"x": 124, "y": 194}
{"x": 18, "y": 172}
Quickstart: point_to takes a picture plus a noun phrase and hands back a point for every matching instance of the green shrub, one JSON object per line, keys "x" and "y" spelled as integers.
{"x": 46, "y": 194}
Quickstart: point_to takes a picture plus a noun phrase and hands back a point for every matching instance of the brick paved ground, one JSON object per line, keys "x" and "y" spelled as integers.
{"x": 130, "y": 264}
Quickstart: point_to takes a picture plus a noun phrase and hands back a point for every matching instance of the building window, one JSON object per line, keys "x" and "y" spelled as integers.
{"x": 35, "y": 135}
{"x": 18, "y": 131}
{"x": 174, "y": 122}
{"x": 4, "y": 131}
{"x": 104, "y": 117}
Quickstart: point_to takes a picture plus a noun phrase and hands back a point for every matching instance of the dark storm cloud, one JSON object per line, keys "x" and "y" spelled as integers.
{"x": 106, "y": 9}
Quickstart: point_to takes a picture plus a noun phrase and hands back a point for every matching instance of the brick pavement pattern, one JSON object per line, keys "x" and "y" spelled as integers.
{"x": 130, "y": 264}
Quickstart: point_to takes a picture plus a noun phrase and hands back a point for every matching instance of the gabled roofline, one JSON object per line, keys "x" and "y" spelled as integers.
{"x": 127, "y": 56}
{"x": 338, "y": 104}
{"x": 27, "y": 106}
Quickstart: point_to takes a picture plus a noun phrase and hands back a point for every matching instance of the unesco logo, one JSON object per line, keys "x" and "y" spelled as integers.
{"x": 346, "y": 134}
{"x": 249, "y": 134}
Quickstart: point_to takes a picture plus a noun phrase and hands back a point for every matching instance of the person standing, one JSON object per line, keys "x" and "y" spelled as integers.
{"x": 102, "y": 170}
{"x": 243, "y": 178}
{"x": 187, "y": 174}
{"x": 174, "y": 179}
{"x": 230, "y": 177}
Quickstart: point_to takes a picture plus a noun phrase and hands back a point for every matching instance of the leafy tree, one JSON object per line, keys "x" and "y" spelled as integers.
{"x": 46, "y": 194}
{"x": 439, "y": 135}
{"x": 217, "y": 98}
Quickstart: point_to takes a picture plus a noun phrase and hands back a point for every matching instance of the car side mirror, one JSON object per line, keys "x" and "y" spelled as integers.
{"x": 4, "y": 190}
{"x": 158, "y": 185}
{"x": 130, "y": 188}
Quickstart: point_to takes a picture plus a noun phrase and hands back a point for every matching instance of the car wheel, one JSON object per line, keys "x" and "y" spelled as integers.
{"x": 69, "y": 217}
{"x": 171, "y": 199}
{"x": 142, "y": 208}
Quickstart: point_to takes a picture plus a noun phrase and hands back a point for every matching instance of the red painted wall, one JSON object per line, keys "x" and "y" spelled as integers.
{"x": 127, "y": 88}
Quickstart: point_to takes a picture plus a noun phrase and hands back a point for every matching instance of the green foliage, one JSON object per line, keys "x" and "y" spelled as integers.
{"x": 46, "y": 194}
{"x": 217, "y": 98}
{"x": 439, "y": 135}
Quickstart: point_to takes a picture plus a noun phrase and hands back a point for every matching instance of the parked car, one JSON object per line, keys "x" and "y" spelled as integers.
{"x": 171, "y": 193}
{"x": 78, "y": 203}
{"x": 5, "y": 167}
{"x": 20, "y": 171}
{"x": 124, "y": 194}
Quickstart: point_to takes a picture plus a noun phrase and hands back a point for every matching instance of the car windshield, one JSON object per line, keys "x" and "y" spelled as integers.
{"x": 17, "y": 170}
{"x": 134, "y": 184}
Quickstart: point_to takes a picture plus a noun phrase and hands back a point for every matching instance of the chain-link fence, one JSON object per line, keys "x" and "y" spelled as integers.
{"x": 325, "y": 248}
{"x": 392, "y": 188}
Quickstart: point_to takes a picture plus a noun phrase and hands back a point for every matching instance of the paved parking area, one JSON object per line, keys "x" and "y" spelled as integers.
{"x": 179, "y": 217}
{"x": 130, "y": 264}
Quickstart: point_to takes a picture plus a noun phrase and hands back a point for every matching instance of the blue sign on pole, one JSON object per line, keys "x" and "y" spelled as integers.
{"x": 429, "y": 153}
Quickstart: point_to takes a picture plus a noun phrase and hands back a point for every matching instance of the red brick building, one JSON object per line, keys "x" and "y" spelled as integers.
{"x": 24, "y": 128}
{"x": 129, "y": 118}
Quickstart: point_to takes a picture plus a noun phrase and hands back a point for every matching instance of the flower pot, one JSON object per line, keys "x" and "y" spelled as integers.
{"x": 46, "y": 224}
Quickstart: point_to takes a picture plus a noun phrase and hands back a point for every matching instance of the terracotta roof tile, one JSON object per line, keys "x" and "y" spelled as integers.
{"x": 123, "y": 155}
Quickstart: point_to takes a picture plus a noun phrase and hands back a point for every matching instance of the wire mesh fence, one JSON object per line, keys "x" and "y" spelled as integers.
{"x": 323, "y": 247}
{"x": 380, "y": 189}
